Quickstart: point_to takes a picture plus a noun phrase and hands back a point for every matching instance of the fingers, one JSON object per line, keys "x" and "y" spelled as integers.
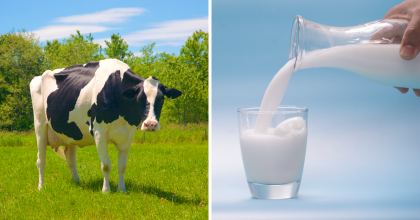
{"x": 405, "y": 90}
{"x": 410, "y": 45}
{"x": 402, "y": 90}
{"x": 390, "y": 33}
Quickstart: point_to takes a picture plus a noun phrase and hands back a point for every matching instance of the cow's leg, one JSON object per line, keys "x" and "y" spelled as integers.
{"x": 122, "y": 164}
{"x": 41, "y": 140}
{"x": 102, "y": 146}
{"x": 40, "y": 124}
{"x": 71, "y": 162}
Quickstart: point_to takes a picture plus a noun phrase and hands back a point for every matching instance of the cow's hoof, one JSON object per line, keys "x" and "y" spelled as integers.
{"x": 106, "y": 191}
{"x": 40, "y": 187}
{"x": 122, "y": 190}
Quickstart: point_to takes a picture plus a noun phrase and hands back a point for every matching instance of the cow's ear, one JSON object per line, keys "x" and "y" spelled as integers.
{"x": 131, "y": 93}
{"x": 172, "y": 93}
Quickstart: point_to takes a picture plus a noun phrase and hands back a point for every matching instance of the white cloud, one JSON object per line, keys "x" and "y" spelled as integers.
{"x": 167, "y": 32}
{"x": 85, "y": 23}
{"x": 172, "y": 33}
{"x": 113, "y": 15}
{"x": 63, "y": 31}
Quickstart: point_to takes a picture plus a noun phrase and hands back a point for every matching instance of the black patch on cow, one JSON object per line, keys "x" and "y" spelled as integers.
{"x": 87, "y": 123}
{"x": 111, "y": 104}
{"x": 63, "y": 100}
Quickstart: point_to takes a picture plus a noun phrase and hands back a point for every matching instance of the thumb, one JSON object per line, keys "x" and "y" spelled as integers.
{"x": 410, "y": 45}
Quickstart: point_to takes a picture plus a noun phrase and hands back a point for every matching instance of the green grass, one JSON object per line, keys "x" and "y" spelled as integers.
{"x": 17, "y": 139}
{"x": 163, "y": 181}
{"x": 171, "y": 133}
{"x": 174, "y": 133}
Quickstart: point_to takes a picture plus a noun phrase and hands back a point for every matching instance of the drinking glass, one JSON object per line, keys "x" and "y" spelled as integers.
{"x": 273, "y": 159}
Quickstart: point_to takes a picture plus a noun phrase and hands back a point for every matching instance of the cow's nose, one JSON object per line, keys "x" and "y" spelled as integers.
{"x": 151, "y": 125}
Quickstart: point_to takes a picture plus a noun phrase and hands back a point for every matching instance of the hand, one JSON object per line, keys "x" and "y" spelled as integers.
{"x": 410, "y": 45}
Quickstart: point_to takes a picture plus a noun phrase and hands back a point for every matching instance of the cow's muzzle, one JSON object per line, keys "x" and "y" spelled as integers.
{"x": 150, "y": 126}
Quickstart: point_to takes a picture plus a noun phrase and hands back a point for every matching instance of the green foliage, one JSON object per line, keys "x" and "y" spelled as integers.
{"x": 118, "y": 49}
{"x": 163, "y": 181}
{"x": 194, "y": 57}
{"x": 72, "y": 51}
{"x": 146, "y": 65}
{"x": 21, "y": 59}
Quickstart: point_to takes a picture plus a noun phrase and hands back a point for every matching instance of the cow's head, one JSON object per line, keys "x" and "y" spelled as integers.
{"x": 150, "y": 94}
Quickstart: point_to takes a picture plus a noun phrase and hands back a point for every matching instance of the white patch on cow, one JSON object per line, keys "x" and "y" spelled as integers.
{"x": 150, "y": 88}
{"x": 120, "y": 132}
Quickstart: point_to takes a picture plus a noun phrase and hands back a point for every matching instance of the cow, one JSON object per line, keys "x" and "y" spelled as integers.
{"x": 94, "y": 103}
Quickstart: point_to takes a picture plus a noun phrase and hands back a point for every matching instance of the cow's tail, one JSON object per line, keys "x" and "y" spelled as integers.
{"x": 61, "y": 152}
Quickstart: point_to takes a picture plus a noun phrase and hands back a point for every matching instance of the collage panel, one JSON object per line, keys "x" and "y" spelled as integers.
{"x": 303, "y": 107}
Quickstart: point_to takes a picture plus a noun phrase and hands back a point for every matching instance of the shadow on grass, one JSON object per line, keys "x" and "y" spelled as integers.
{"x": 96, "y": 186}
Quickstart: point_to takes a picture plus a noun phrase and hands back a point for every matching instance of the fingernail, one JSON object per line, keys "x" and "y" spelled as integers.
{"x": 408, "y": 51}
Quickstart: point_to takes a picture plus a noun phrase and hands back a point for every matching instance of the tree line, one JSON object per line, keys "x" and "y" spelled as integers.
{"x": 22, "y": 57}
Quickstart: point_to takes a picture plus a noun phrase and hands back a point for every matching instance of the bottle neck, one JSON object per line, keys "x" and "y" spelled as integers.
{"x": 296, "y": 46}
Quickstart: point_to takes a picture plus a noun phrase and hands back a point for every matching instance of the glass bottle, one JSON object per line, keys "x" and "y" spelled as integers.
{"x": 370, "y": 50}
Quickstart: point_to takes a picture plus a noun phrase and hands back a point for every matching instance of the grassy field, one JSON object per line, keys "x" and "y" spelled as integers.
{"x": 172, "y": 133}
{"x": 163, "y": 181}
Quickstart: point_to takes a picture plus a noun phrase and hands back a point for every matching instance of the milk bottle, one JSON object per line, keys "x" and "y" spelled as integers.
{"x": 370, "y": 50}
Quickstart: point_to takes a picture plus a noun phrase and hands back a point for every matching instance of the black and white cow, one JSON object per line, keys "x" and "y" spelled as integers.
{"x": 94, "y": 103}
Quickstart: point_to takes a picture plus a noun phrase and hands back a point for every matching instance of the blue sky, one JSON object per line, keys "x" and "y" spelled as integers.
{"x": 167, "y": 23}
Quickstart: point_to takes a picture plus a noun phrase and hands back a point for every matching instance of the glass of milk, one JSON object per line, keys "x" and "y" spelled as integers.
{"x": 273, "y": 159}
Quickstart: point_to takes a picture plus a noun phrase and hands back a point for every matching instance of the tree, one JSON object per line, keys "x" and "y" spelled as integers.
{"x": 72, "y": 51}
{"x": 118, "y": 49}
{"x": 21, "y": 59}
{"x": 195, "y": 52}
{"x": 146, "y": 64}
{"x": 194, "y": 55}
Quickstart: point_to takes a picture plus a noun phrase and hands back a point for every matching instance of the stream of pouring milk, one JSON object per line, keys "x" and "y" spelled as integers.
{"x": 381, "y": 63}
